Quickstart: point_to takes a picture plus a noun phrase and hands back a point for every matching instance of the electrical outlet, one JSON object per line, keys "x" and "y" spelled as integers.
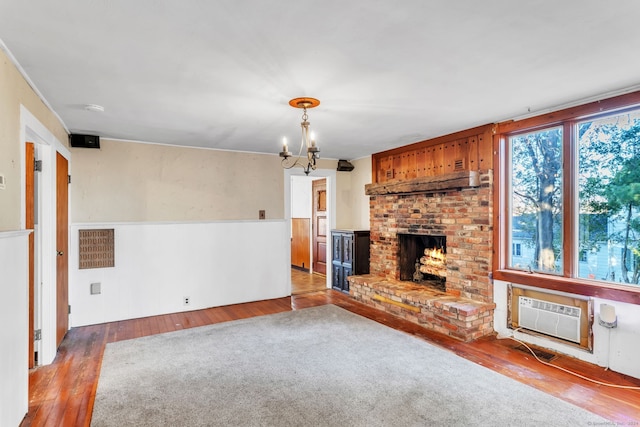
{"x": 262, "y": 214}
{"x": 186, "y": 300}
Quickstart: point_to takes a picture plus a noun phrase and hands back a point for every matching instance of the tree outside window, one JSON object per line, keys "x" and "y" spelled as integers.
{"x": 536, "y": 199}
{"x": 609, "y": 198}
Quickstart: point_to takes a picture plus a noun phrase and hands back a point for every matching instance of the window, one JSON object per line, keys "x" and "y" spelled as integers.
{"x": 609, "y": 197}
{"x": 536, "y": 199}
{"x": 571, "y": 196}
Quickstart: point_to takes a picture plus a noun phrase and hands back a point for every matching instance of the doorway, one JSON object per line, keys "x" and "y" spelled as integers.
{"x": 42, "y": 209}
{"x": 310, "y": 200}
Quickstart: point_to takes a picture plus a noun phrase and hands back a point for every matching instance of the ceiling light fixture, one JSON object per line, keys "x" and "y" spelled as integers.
{"x": 308, "y": 140}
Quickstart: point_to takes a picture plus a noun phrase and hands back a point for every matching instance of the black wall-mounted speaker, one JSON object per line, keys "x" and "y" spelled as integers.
{"x": 345, "y": 166}
{"x": 84, "y": 141}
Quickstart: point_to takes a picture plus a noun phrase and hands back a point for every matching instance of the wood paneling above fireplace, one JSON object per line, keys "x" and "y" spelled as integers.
{"x": 469, "y": 150}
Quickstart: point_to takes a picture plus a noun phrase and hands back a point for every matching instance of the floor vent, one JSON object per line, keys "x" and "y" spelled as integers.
{"x": 541, "y": 354}
{"x": 557, "y": 320}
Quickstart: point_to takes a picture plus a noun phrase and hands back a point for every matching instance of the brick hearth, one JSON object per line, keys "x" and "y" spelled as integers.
{"x": 465, "y": 217}
{"x": 442, "y": 312}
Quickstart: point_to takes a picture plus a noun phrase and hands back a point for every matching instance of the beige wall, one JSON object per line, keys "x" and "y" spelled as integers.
{"x": 128, "y": 181}
{"x": 352, "y": 203}
{"x": 14, "y": 91}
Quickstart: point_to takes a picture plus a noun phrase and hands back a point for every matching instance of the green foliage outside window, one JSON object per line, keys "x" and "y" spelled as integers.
{"x": 609, "y": 189}
{"x": 536, "y": 199}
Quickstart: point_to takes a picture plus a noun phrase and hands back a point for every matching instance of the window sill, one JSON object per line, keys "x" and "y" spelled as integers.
{"x": 575, "y": 286}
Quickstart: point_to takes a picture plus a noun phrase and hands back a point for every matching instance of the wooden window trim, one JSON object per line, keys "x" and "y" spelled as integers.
{"x": 604, "y": 106}
{"x": 569, "y": 199}
{"x": 570, "y": 285}
{"x": 567, "y": 118}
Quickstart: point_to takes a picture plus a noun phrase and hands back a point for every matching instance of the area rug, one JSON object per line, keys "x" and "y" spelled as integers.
{"x": 321, "y": 366}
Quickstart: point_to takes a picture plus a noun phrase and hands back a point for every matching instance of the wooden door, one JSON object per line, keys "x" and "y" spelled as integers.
{"x": 62, "y": 247}
{"x": 29, "y": 225}
{"x": 300, "y": 256}
{"x": 319, "y": 188}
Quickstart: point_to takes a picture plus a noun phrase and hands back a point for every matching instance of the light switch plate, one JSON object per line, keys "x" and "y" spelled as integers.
{"x": 96, "y": 288}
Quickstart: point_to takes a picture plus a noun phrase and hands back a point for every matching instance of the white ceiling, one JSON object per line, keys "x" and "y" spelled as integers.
{"x": 388, "y": 73}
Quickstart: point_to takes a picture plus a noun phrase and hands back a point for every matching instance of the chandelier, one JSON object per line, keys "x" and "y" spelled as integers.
{"x": 307, "y": 140}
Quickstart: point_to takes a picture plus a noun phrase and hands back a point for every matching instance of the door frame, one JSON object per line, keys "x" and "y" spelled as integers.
{"x": 330, "y": 175}
{"x": 32, "y": 130}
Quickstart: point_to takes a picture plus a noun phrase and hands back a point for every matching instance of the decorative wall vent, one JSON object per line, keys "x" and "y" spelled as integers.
{"x": 389, "y": 174}
{"x": 458, "y": 165}
{"x": 96, "y": 248}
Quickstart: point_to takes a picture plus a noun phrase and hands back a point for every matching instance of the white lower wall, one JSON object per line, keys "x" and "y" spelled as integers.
{"x": 158, "y": 264}
{"x": 14, "y": 333}
{"x": 617, "y": 348}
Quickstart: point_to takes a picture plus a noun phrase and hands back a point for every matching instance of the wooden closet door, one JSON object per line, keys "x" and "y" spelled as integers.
{"x": 62, "y": 248}
{"x": 300, "y": 253}
{"x": 29, "y": 225}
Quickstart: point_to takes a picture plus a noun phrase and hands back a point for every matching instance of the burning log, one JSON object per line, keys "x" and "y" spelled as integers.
{"x": 433, "y": 262}
{"x": 433, "y": 271}
{"x": 433, "y": 257}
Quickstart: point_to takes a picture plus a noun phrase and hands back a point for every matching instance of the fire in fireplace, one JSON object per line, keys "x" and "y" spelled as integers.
{"x": 422, "y": 259}
{"x": 433, "y": 262}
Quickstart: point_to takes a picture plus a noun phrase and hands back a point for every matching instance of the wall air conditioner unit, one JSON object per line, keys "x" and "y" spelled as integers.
{"x": 557, "y": 320}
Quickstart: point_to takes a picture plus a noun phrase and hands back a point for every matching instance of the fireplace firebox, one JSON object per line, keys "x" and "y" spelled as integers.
{"x": 422, "y": 259}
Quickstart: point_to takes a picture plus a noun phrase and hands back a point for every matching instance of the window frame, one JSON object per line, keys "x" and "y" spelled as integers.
{"x": 567, "y": 281}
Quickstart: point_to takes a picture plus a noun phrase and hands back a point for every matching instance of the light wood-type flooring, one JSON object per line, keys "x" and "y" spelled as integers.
{"x": 303, "y": 282}
{"x": 62, "y": 394}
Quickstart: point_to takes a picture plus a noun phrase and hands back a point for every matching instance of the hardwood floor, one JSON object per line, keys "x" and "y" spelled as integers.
{"x": 62, "y": 394}
{"x": 303, "y": 282}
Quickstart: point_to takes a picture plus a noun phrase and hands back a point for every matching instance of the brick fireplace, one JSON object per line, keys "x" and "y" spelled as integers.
{"x": 461, "y": 214}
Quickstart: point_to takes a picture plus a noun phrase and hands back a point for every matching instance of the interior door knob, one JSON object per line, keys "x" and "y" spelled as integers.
{"x": 60, "y": 253}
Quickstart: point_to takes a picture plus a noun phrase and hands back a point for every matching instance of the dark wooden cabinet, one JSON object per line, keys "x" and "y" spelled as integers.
{"x": 350, "y": 256}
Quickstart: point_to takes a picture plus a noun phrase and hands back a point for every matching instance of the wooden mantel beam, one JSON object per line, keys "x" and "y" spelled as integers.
{"x": 428, "y": 184}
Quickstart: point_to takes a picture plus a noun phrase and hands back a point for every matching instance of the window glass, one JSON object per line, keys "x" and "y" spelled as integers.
{"x": 536, "y": 200}
{"x": 517, "y": 249}
{"x": 609, "y": 198}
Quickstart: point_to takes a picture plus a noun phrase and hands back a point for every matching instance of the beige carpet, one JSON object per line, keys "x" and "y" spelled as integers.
{"x": 321, "y": 366}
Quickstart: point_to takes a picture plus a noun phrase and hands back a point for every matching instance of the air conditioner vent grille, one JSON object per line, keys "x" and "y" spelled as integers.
{"x": 557, "y": 320}
{"x": 555, "y": 308}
